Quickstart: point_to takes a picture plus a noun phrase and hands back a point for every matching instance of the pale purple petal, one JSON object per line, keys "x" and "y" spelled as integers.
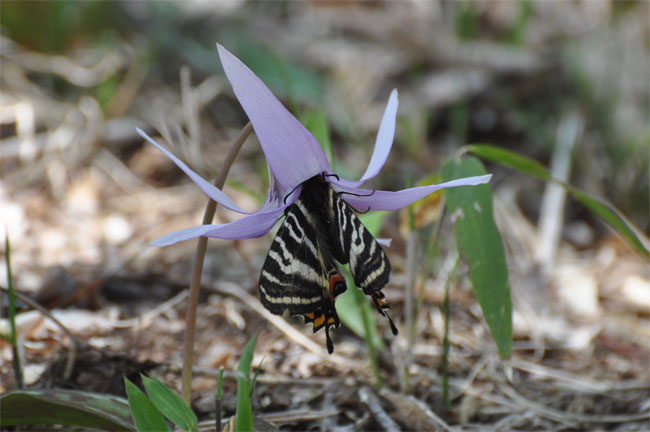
{"x": 291, "y": 150}
{"x": 254, "y": 225}
{"x": 384, "y": 241}
{"x": 384, "y": 140}
{"x": 211, "y": 190}
{"x": 364, "y": 199}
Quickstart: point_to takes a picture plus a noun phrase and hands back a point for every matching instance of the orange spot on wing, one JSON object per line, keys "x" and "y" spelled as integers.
{"x": 318, "y": 322}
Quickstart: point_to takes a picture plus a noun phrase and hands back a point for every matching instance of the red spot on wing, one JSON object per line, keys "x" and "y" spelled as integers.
{"x": 337, "y": 285}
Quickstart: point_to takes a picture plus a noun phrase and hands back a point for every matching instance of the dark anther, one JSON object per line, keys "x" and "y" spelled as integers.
{"x": 331, "y": 175}
{"x": 356, "y": 194}
{"x": 289, "y": 194}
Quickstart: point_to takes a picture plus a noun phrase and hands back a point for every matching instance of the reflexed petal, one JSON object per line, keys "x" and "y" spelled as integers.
{"x": 211, "y": 190}
{"x": 291, "y": 150}
{"x": 365, "y": 199}
{"x": 384, "y": 241}
{"x": 253, "y": 225}
{"x": 384, "y": 140}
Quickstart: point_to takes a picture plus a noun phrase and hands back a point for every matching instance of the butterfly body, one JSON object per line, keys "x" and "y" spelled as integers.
{"x": 300, "y": 272}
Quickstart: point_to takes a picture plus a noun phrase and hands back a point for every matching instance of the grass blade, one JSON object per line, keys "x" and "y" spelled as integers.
{"x": 244, "y": 414}
{"x": 602, "y": 208}
{"x": 13, "y": 339}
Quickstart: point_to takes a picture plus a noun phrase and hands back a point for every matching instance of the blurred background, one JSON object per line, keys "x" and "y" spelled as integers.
{"x": 563, "y": 82}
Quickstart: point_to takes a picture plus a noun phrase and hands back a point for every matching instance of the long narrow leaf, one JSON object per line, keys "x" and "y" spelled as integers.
{"x": 257, "y": 372}
{"x": 217, "y": 401}
{"x": 352, "y": 313}
{"x": 244, "y": 414}
{"x": 170, "y": 404}
{"x": 479, "y": 241}
{"x": 145, "y": 414}
{"x": 316, "y": 123}
{"x": 602, "y": 208}
{"x": 65, "y": 407}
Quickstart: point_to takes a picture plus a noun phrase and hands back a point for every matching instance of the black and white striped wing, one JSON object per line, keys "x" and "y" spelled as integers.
{"x": 299, "y": 274}
{"x": 365, "y": 257}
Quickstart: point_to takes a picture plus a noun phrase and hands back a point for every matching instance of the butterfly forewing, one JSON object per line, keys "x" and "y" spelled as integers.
{"x": 292, "y": 277}
{"x": 367, "y": 260}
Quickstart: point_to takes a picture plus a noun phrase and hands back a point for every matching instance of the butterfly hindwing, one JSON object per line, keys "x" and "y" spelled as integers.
{"x": 359, "y": 249}
{"x": 299, "y": 274}
{"x": 366, "y": 258}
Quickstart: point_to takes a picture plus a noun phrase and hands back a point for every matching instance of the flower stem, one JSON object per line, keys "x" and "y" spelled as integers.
{"x": 195, "y": 284}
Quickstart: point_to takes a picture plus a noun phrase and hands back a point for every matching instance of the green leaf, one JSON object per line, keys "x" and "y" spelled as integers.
{"x": 170, "y": 404}
{"x": 244, "y": 414}
{"x": 145, "y": 414}
{"x": 510, "y": 159}
{"x": 347, "y": 307}
{"x": 316, "y": 123}
{"x": 516, "y": 32}
{"x": 219, "y": 383}
{"x": 470, "y": 208}
{"x": 602, "y": 208}
{"x": 372, "y": 221}
{"x": 65, "y": 407}
{"x": 257, "y": 372}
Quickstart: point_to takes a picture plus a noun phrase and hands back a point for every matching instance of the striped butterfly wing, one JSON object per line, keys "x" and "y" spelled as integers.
{"x": 366, "y": 258}
{"x": 299, "y": 274}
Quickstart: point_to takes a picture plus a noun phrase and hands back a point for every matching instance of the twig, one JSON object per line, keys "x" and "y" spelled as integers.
{"x": 145, "y": 319}
{"x": 412, "y": 406}
{"x": 11, "y": 292}
{"x": 265, "y": 378}
{"x": 76, "y": 342}
{"x": 293, "y": 334}
{"x": 195, "y": 284}
{"x": 374, "y": 405}
{"x": 568, "y": 417}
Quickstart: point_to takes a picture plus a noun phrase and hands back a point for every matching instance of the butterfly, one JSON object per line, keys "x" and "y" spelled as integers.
{"x": 300, "y": 273}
